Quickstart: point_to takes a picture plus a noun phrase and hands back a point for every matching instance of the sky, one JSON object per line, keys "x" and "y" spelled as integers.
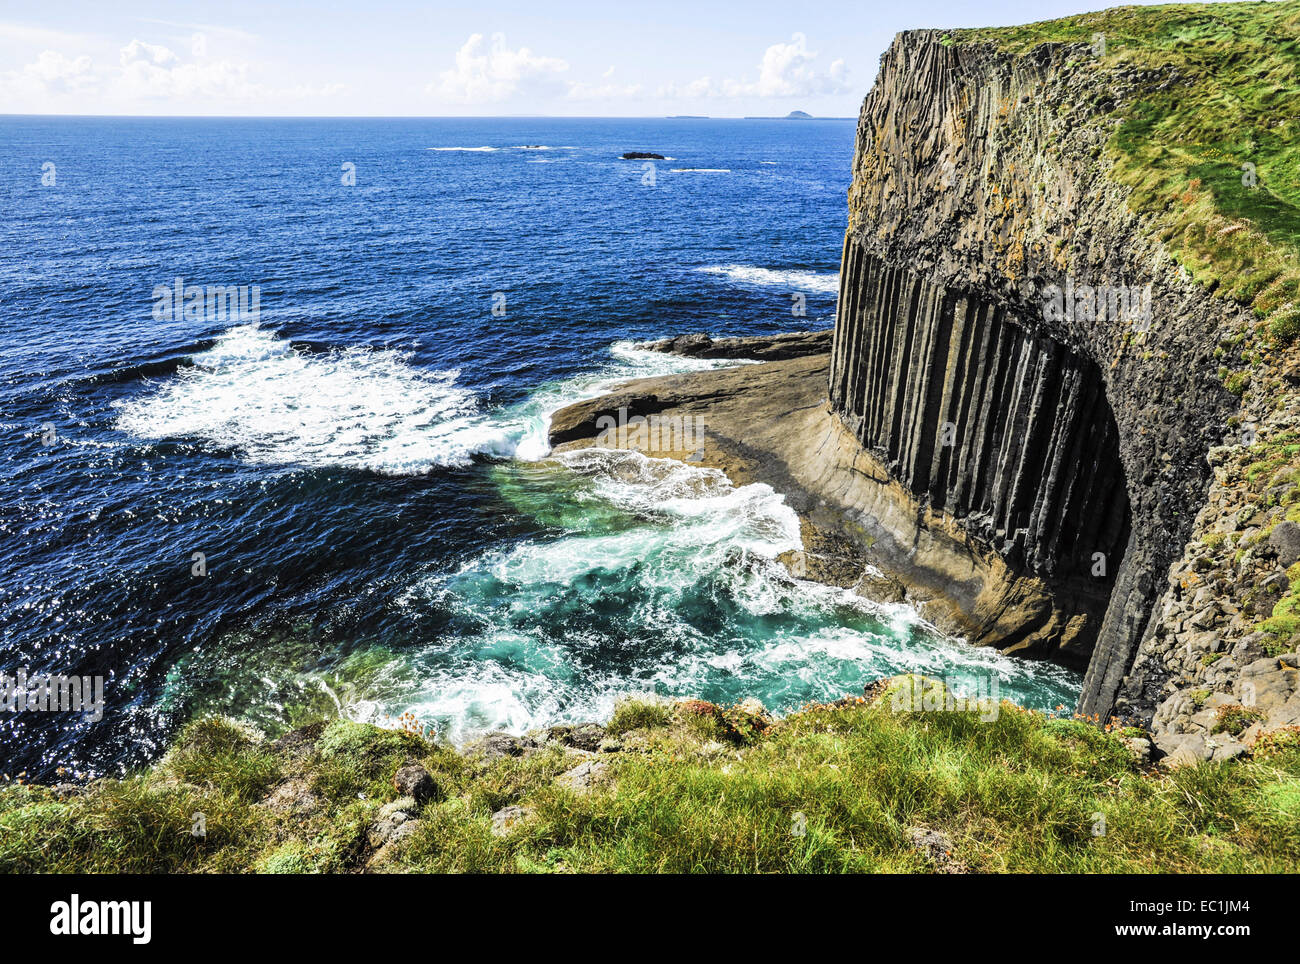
{"x": 627, "y": 58}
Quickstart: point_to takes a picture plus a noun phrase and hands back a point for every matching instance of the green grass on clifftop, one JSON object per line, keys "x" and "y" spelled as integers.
{"x": 683, "y": 789}
{"x": 1235, "y": 101}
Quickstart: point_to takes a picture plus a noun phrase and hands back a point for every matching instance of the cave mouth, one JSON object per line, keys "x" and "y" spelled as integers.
{"x": 994, "y": 424}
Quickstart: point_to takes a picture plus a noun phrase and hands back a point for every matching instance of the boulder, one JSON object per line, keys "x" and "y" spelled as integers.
{"x": 507, "y": 818}
{"x": 1139, "y": 747}
{"x": 416, "y": 782}
{"x": 388, "y": 822}
{"x": 494, "y": 746}
{"x": 1285, "y": 538}
{"x": 585, "y": 777}
{"x": 582, "y": 736}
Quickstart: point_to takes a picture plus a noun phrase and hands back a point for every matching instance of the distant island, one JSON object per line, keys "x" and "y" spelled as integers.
{"x": 793, "y": 115}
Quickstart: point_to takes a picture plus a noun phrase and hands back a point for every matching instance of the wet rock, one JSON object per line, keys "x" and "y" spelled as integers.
{"x": 878, "y": 587}
{"x": 787, "y": 345}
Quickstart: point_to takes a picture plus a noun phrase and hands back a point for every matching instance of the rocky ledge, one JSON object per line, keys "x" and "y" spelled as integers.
{"x": 675, "y": 786}
{"x": 798, "y": 344}
{"x": 771, "y": 422}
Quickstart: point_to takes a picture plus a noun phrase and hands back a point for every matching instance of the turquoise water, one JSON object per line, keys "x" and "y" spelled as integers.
{"x": 639, "y": 576}
{"x": 364, "y": 464}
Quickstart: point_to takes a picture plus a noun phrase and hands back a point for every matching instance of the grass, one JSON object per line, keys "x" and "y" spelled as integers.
{"x": 829, "y": 789}
{"x": 1184, "y": 150}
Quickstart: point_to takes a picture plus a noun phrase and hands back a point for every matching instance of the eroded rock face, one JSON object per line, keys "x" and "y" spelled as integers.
{"x": 980, "y": 182}
{"x": 995, "y": 425}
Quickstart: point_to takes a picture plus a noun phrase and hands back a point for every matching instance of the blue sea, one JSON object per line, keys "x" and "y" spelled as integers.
{"x": 339, "y": 501}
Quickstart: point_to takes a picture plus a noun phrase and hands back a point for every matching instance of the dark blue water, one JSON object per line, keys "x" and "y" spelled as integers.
{"x": 362, "y": 461}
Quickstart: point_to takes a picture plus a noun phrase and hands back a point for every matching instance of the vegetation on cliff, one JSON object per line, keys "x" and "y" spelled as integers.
{"x": 853, "y": 786}
{"x": 1211, "y": 143}
{"x": 1197, "y": 103}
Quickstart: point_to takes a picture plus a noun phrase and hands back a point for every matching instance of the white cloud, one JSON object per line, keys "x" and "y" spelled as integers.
{"x": 696, "y": 89}
{"x": 137, "y": 51}
{"x": 155, "y": 72}
{"x": 311, "y": 92}
{"x": 485, "y": 73}
{"x": 152, "y": 71}
{"x": 786, "y": 70}
{"x": 50, "y": 73}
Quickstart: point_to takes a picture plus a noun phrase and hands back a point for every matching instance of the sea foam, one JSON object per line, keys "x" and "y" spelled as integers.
{"x": 363, "y": 408}
{"x": 827, "y": 282}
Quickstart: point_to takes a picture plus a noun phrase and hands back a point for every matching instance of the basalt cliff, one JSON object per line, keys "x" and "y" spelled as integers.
{"x": 1034, "y": 422}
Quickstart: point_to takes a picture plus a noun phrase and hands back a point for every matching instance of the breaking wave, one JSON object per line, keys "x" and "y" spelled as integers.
{"x": 828, "y": 282}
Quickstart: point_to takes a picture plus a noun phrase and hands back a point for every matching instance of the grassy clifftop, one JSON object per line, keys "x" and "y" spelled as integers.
{"x": 859, "y": 785}
{"x": 1212, "y": 112}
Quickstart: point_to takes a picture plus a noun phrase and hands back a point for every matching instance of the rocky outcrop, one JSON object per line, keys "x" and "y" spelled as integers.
{"x": 1026, "y": 422}
{"x": 798, "y": 344}
{"x": 771, "y": 422}
{"x": 1071, "y": 435}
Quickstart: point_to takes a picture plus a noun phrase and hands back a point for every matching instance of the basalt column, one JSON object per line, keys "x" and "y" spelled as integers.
{"x": 1006, "y": 431}
{"x": 982, "y": 181}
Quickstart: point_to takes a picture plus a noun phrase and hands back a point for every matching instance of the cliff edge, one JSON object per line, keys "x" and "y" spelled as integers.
{"x": 1050, "y": 326}
{"x": 1061, "y": 401}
